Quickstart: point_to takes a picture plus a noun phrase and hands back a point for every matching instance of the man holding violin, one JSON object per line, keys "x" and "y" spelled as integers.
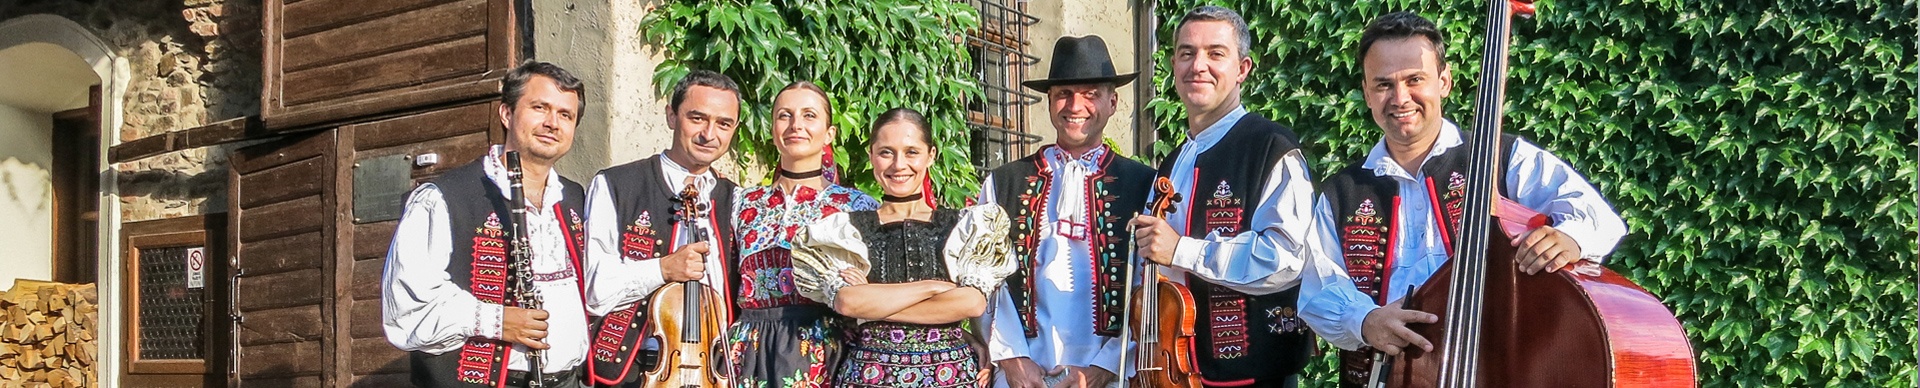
{"x": 1237, "y": 238}
{"x": 1384, "y": 224}
{"x": 636, "y": 240}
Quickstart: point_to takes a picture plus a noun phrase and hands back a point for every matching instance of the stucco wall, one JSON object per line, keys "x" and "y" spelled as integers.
{"x": 600, "y": 42}
{"x": 26, "y": 195}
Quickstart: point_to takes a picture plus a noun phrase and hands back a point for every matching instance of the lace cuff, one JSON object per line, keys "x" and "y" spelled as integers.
{"x": 978, "y": 254}
{"x": 821, "y": 251}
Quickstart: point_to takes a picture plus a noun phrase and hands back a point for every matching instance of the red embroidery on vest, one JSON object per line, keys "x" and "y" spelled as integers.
{"x": 637, "y": 242}
{"x": 1227, "y": 313}
{"x": 1364, "y": 238}
{"x": 481, "y": 359}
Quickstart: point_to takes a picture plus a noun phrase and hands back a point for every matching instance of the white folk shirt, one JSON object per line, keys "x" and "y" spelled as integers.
{"x": 1335, "y": 308}
{"x": 425, "y": 311}
{"x": 612, "y": 280}
{"x": 1266, "y": 257}
{"x": 1063, "y": 279}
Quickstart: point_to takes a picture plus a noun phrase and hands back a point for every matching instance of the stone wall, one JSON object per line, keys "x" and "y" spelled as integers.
{"x": 192, "y": 62}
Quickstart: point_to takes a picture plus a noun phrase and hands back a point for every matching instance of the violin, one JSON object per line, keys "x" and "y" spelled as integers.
{"x": 1163, "y": 343}
{"x": 689, "y": 318}
{"x": 1581, "y": 326}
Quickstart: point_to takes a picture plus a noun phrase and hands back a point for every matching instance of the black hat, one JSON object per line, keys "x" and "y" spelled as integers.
{"x": 1079, "y": 61}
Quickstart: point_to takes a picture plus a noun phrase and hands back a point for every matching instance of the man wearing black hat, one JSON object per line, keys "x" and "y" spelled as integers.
{"x": 1060, "y": 312}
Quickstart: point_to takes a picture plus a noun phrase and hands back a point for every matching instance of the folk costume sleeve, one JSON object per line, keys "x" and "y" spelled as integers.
{"x": 1548, "y": 185}
{"x": 1005, "y": 337}
{"x": 422, "y": 309}
{"x": 1268, "y": 257}
{"x": 612, "y": 280}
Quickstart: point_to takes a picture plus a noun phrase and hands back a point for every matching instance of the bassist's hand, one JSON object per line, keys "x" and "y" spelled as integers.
{"x": 1385, "y": 329}
{"x": 1545, "y": 248}
{"x": 687, "y": 264}
{"x": 1021, "y": 373}
{"x": 524, "y": 326}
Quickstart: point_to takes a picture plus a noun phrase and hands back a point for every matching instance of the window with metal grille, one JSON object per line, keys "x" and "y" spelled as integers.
{"x": 1000, "y": 62}
{"x": 170, "y": 313}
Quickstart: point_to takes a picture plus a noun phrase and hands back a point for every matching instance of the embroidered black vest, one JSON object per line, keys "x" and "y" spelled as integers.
{"x": 1366, "y": 208}
{"x": 1114, "y": 195}
{"x": 477, "y": 217}
{"x": 644, "y": 205}
{"x": 1240, "y": 336}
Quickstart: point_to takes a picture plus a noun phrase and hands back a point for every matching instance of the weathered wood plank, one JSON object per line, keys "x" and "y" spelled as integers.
{"x": 282, "y": 254}
{"x": 281, "y": 325}
{"x": 281, "y": 290}
{"x": 135, "y": 380}
{"x": 400, "y": 379}
{"x": 279, "y": 360}
{"x": 279, "y": 184}
{"x": 366, "y": 279}
{"x": 296, "y": 382}
{"x": 312, "y": 16}
{"x": 384, "y": 35}
{"x": 388, "y": 103}
{"x": 281, "y": 219}
{"x": 270, "y": 154}
{"x": 375, "y": 356}
{"x": 370, "y": 241}
{"x": 414, "y": 66}
{"x": 367, "y": 318}
{"x": 141, "y": 148}
{"x": 423, "y": 127}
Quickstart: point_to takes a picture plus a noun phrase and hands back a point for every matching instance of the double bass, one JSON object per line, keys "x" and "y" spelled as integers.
{"x": 1581, "y": 326}
{"x": 689, "y": 317}
{"x": 1163, "y": 313}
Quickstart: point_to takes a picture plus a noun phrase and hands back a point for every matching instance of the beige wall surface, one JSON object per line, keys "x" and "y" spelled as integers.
{"x": 26, "y": 195}
{"x": 600, "y": 42}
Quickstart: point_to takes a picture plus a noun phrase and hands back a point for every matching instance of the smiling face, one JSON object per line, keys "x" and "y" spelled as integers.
{"x": 900, "y": 156}
{"x": 540, "y": 125}
{"x": 703, "y": 126}
{"x": 1208, "y": 67}
{"x": 1405, "y": 85}
{"x": 1080, "y": 113}
{"x": 801, "y": 128}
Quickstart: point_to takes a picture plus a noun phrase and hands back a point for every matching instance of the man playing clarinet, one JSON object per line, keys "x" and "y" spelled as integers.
{"x": 448, "y": 293}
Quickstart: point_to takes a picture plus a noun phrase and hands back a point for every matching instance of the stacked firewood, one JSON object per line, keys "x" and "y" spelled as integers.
{"x": 47, "y": 335}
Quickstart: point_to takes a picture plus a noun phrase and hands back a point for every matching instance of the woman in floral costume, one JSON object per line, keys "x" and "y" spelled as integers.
{"x": 910, "y": 271}
{"x": 782, "y": 339}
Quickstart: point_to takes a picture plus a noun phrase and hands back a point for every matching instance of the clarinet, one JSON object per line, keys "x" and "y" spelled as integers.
{"x": 525, "y": 294}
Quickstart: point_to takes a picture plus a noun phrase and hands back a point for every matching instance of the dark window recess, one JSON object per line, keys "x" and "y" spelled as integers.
{"x": 999, "y": 50}
{"x": 170, "y": 313}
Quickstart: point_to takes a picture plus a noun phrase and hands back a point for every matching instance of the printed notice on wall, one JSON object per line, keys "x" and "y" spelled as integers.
{"x": 196, "y": 267}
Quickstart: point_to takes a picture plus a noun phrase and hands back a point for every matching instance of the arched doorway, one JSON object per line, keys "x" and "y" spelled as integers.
{"x": 57, "y": 117}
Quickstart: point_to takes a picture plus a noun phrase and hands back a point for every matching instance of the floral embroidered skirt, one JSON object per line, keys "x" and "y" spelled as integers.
{"x": 788, "y": 346}
{"x": 888, "y": 354}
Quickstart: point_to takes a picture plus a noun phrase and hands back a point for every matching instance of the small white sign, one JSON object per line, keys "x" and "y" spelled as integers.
{"x": 196, "y": 267}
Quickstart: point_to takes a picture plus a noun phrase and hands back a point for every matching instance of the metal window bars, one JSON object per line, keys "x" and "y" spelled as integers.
{"x": 1000, "y": 62}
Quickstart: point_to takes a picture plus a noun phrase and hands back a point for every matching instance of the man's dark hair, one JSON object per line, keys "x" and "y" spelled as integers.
{"x": 1214, "y": 13}
{"x": 705, "y": 78}
{"x": 1403, "y": 25}
{"x": 515, "y": 85}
